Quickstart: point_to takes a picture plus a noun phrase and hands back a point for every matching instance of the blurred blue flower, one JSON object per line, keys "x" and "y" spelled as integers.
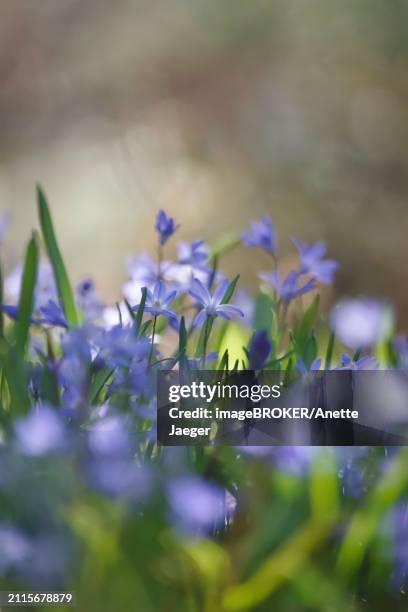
{"x": 195, "y": 362}
{"x": 143, "y": 271}
{"x": 302, "y": 368}
{"x": 40, "y": 432}
{"x": 212, "y": 304}
{"x": 295, "y": 459}
{"x": 290, "y": 287}
{"x": 4, "y": 223}
{"x": 194, "y": 254}
{"x": 48, "y": 563}
{"x": 195, "y": 504}
{"x": 367, "y": 362}
{"x": 11, "y": 311}
{"x": 48, "y": 314}
{"x": 165, "y": 226}
{"x": 401, "y": 345}
{"x": 120, "y": 478}
{"x": 15, "y": 547}
{"x": 111, "y": 437}
{"x": 312, "y": 262}
{"x": 45, "y": 288}
{"x": 87, "y": 299}
{"x": 159, "y": 300}
{"x": 361, "y": 322}
{"x": 261, "y": 234}
{"x": 119, "y": 346}
{"x": 52, "y": 314}
{"x": 259, "y": 349}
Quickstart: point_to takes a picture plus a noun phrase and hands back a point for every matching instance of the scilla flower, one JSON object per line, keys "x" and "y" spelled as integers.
{"x": 158, "y": 301}
{"x": 312, "y": 262}
{"x": 261, "y": 234}
{"x": 290, "y": 287}
{"x": 259, "y": 349}
{"x": 212, "y": 304}
{"x": 165, "y": 226}
{"x": 361, "y": 322}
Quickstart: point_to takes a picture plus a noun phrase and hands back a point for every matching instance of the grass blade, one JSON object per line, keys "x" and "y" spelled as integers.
{"x": 26, "y": 301}
{"x": 64, "y": 288}
{"x": 329, "y": 352}
{"x": 140, "y": 310}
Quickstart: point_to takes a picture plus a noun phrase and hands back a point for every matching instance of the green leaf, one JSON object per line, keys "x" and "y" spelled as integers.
{"x": 329, "y": 352}
{"x": 129, "y": 309}
{"x": 304, "y": 330}
{"x": 140, "y": 310}
{"x": 230, "y": 290}
{"x": 310, "y": 351}
{"x": 264, "y": 307}
{"x": 324, "y": 490}
{"x": 227, "y": 244}
{"x": 26, "y": 301}
{"x": 182, "y": 336}
{"x": 357, "y": 354}
{"x": 65, "y": 292}
{"x": 99, "y": 381}
{"x": 365, "y": 522}
{"x": 224, "y": 363}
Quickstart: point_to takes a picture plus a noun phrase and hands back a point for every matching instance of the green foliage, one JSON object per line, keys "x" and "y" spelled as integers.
{"x": 60, "y": 274}
{"x": 26, "y": 302}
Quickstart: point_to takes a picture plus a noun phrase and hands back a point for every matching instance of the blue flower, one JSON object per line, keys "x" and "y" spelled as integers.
{"x": 290, "y": 287}
{"x": 40, "y": 432}
{"x": 302, "y": 368}
{"x": 367, "y": 362}
{"x": 195, "y": 504}
{"x": 401, "y": 346}
{"x": 165, "y": 226}
{"x": 195, "y": 362}
{"x": 195, "y": 254}
{"x": 142, "y": 272}
{"x": 212, "y": 304}
{"x": 261, "y": 234}
{"x": 120, "y": 478}
{"x": 312, "y": 261}
{"x": 259, "y": 349}
{"x": 361, "y": 322}
{"x": 158, "y": 301}
{"x": 15, "y": 547}
{"x": 51, "y": 314}
{"x": 11, "y": 311}
{"x": 45, "y": 288}
{"x": 111, "y": 437}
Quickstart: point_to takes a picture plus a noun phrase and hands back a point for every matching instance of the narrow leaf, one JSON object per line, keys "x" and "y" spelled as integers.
{"x": 26, "y": 301}
{"x": 65, "y": 292}
{"x": 329, "y": 352}
{"x": 140, "y": 310}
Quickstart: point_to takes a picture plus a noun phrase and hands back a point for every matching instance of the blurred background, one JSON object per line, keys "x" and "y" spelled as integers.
{"x": 218, "y": 112}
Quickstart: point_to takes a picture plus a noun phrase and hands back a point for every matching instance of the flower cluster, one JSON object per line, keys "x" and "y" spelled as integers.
{"x": 78, "y": 400}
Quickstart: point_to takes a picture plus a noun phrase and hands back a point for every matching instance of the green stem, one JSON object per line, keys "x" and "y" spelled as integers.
{"x": 152, "y": 344}
{"x": 206, "y": 335}
{"x": 159, "y": 260}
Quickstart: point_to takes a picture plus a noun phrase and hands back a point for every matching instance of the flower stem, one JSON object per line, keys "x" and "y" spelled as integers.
{"x": 152, "y": 344}
{"x": 206, "y": 335}
{"x": 159, "y": 261}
